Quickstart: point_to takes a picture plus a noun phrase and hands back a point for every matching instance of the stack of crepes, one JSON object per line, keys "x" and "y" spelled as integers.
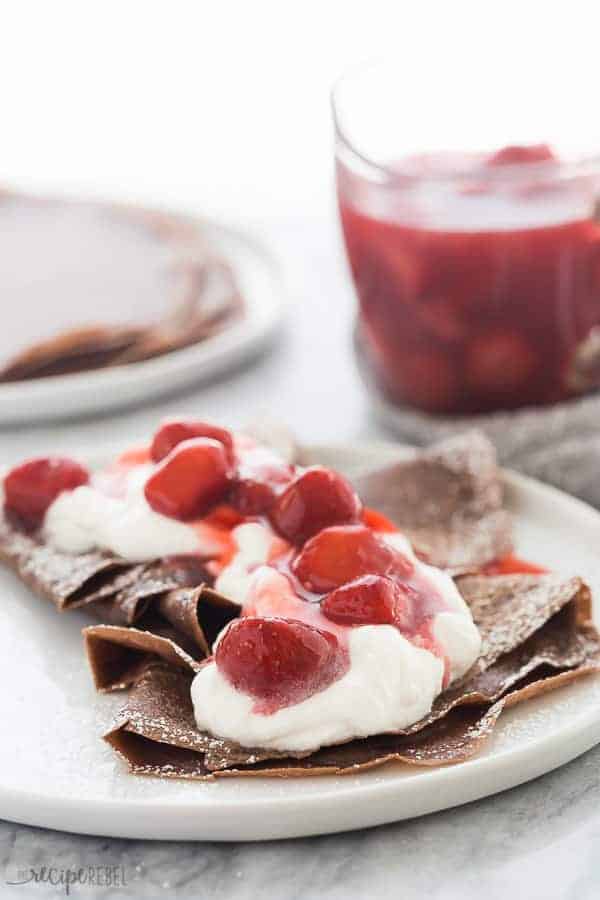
{"x": 161, "y": 618}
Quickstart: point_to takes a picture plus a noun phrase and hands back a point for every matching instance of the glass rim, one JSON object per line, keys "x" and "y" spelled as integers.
{"x": 580, "y": 166}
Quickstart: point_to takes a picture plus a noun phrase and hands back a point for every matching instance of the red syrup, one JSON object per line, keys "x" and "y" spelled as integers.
{"x": 513, "y": 565}
{"x": 460, "y": 315}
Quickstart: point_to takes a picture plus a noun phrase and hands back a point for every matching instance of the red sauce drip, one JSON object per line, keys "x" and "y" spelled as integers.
{"x": 112, "y": 480}
{"x": 377, "y": 521}
{"x": 513, "y": 565}
{"x": 135, "y": 456}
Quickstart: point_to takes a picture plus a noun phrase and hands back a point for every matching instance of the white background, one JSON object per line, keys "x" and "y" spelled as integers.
{"x": 223, "y": 108}
{"x": 223, "y": 105}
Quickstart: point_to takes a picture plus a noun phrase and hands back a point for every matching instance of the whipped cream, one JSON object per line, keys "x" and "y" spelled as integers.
{"x": 87, "y": 518}
{"x": 391, "y": 683}
{"x": 112, "y": 513}
{"x": 254, "y": 543}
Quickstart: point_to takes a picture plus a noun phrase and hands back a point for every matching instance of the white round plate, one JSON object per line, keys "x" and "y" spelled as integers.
{"x": 56, "y": 772}
{"x": 261, "y": 285}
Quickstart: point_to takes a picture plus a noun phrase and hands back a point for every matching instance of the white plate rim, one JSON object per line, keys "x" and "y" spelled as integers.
{"x": 64, "y": 396}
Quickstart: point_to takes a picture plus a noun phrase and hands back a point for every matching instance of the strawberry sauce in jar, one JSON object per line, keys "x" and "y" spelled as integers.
{"x": 477, "y": 273}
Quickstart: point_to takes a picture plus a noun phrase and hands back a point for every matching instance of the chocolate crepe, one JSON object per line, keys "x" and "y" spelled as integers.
{"x": 533, "y": 641}
{"x": 171, "y": 597}
{"x": 118, "y": 656}
{"x": 83, "y": 348}
{"x": 63, "y": 578}
{"x": 448, "y": 500}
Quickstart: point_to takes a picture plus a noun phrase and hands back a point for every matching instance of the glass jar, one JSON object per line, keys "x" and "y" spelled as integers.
{"x": 473, "y": 237}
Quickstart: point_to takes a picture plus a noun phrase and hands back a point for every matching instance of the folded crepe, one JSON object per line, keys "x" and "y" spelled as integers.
{"x": 171, "y": 597}
{"x": 448, "y": 500}
{"x": 535, "y": 637}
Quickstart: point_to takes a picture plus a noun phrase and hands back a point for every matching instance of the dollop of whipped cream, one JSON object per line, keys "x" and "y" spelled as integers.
{"x": 112, "y": 514}
{"x": 389, "y": 685}
{"x": 391, "y": 682}
{"x": 254, "y": 543}
{"x": 88, "y": 518}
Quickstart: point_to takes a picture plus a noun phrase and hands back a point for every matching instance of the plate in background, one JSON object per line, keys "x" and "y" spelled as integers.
{"x": 101, "y": 390}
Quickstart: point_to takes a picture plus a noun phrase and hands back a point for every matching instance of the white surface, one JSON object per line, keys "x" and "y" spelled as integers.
{"x": 55, "y": 772}
{"x": 224, "y": 107}
{"x": 101, "y": 390}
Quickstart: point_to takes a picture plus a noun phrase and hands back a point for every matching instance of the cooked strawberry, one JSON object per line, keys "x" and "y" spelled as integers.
{"x": 516, "y": 155}
{"x": 343, "y": 553}
{"x": 174, "y": 431}
{"x": 316, "y": 499}
{"x": 443, "y": 320}
{"x": 279, "y": 661}
{"x": 390, "y": 267}
{"x": 425, "y": 378}
{"x": 369, "y": 600}
{"x": 190, "y": 480}
{"x": 500, "y": 361}
{"x": 252, "y": 497}
{"x": 30, "y": 488}
{"x": 259, "y": 481}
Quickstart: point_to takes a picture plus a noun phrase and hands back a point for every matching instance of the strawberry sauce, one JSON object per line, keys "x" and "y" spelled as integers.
{"x": 513, "y": 565}
{"x": 485, "y": 301}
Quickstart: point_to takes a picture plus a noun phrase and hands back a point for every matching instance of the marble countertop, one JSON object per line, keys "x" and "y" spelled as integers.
{"x": 536, "y": 841}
